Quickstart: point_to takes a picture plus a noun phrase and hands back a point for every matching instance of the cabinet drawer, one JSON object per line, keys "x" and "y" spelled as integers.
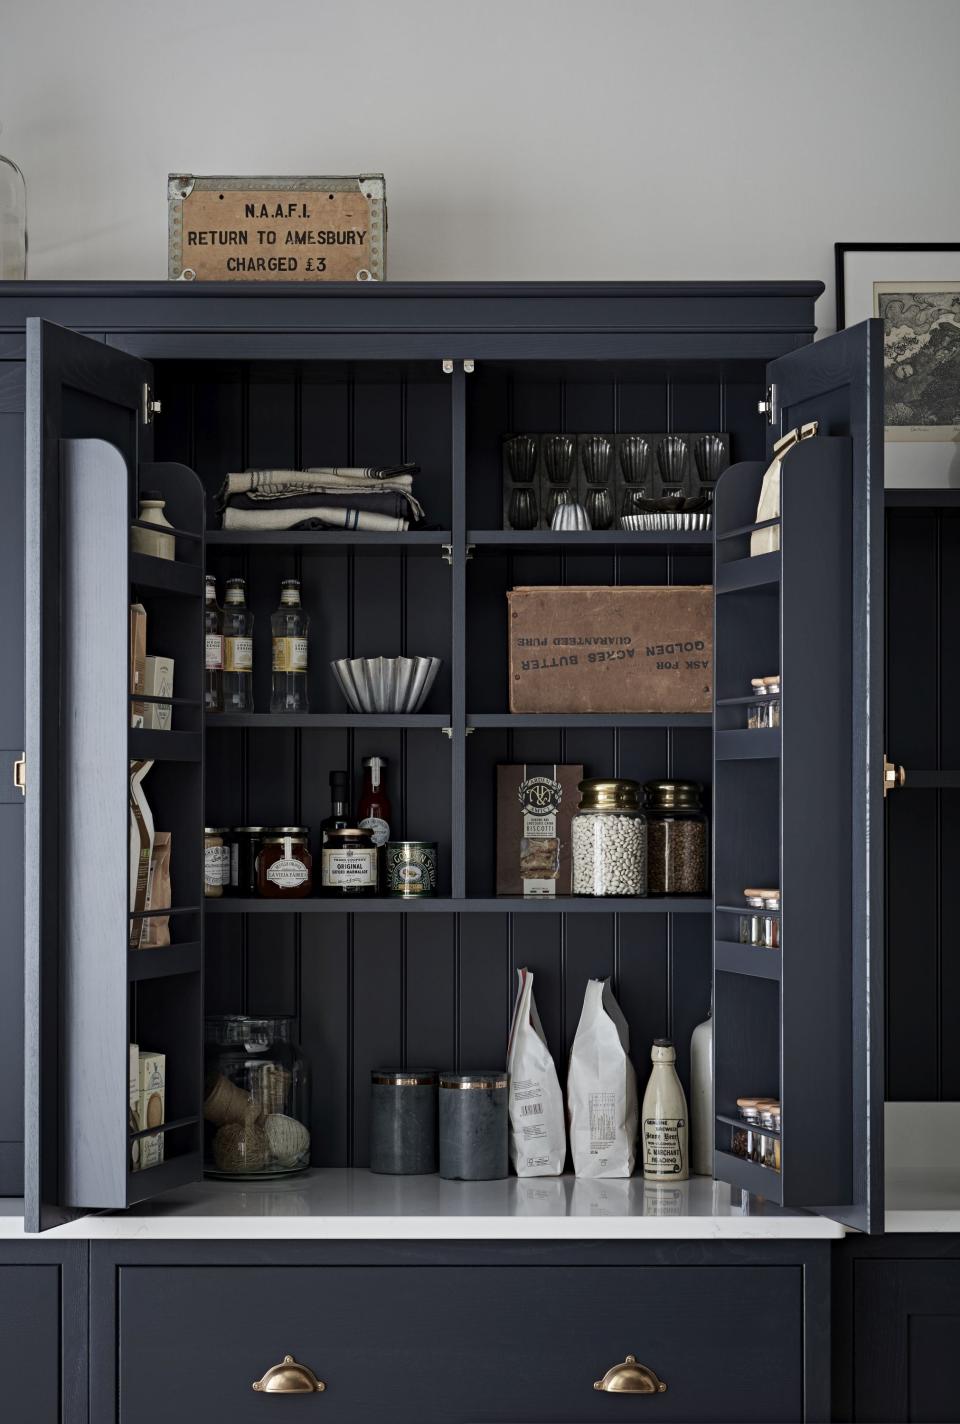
{"x": 461, "y": 1345}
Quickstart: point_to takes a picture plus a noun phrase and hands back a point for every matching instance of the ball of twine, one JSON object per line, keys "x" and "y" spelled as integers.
{"x": 240, "y": 1147}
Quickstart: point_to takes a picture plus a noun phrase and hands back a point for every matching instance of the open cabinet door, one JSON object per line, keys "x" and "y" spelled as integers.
{"x": 799, "y": 805}
{"x": 86, "y": 406}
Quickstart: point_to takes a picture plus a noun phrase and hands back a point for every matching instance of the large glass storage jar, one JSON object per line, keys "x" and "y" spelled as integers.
{"x": 257, "y": 1099}
{"x": 609, "y": 839}
{"x": 676, "y": 838}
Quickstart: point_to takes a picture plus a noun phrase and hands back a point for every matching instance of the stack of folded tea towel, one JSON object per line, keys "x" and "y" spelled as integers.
{"x": 334, "y": 497}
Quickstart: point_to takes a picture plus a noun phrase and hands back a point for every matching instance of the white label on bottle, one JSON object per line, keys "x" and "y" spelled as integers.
{"x": 378, "y": 828}
{"x": 214, "y": 652}
{"x": 662, "y": 1151}
{"x": 287, "y": 873}
{"x": 603, "y": 1126}
{"x": 348, "y": 865}
{"x": 238, "y": 654}
{"x": 289, "y": 655}
{"x": 216, "y": 865}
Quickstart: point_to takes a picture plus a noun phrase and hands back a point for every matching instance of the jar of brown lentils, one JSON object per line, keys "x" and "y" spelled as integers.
{"x": 677, "y": 838}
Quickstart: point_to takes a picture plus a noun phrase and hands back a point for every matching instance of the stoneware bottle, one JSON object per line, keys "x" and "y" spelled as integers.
{"x": 701, "y": 1098}
{"x": 664, "y": 1119}
{"x": 145, "y": 541}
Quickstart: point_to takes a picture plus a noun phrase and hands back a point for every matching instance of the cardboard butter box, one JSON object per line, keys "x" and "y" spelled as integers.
{"x": 535, "y": 804}
{"x": 603, "y": 649}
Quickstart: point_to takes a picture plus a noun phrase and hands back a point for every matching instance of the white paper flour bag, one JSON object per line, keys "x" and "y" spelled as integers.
{"x": 538, "y": 1138}
{"x": 602, "y": 1088}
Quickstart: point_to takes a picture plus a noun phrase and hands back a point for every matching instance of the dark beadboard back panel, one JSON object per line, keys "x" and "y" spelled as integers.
{"x": 431, "y": 988}
{"x": 923, "y": 820}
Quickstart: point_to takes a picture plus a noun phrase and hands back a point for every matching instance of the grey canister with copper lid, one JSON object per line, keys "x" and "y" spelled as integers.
{"x": 474, "y": 1126}
{"x": 403, "y": 1121}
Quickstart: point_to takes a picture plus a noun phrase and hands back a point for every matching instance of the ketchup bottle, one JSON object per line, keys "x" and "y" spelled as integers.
{"x": 374, "y": 813}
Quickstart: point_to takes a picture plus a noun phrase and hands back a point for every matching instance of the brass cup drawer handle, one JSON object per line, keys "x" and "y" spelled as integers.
{"x": 289, "y": 1377}
{"x": 631, "y": 1378}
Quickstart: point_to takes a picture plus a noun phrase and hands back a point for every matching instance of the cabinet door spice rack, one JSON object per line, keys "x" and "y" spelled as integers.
{"x": 381, "y": 980}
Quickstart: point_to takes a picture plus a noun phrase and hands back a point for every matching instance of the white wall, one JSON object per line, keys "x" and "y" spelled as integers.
{"x": 519, "y": 138}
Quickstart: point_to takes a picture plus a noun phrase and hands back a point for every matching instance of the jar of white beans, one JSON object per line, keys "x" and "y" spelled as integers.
{"x": 609, "y": 839}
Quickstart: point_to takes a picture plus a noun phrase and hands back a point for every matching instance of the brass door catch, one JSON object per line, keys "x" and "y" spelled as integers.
{"x": 894, "y": 777}
{"x": 631, "y": 1378}
{"x": 289, "y": 1377}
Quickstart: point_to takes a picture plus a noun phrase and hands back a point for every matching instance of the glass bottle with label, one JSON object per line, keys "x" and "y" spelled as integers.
{"x": 339, "y": 807}
{"x": 213, "y": 630}
{"x": 374, "y": 812}
{"x": 237, "y": 649}
{"x": 664, "y": 1119}
{"x": 290, "y": 627}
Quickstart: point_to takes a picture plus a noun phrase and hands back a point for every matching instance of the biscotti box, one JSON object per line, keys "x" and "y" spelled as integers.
{"x": 535, "y": 804}
{"x": 603, "y": 649}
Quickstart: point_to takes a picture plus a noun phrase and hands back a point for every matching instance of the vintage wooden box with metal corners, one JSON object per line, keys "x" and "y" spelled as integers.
{"x": 277, "y": 229}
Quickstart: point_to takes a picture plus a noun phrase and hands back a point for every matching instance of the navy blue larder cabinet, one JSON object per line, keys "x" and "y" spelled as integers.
{"x": 120, "y": 387}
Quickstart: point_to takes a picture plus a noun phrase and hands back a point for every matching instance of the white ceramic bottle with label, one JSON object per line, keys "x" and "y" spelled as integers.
{"x": 664, "y": 1119}
{"x": 701, "y": 1098}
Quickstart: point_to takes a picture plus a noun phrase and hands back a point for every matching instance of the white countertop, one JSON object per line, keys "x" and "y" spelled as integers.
{"x": 345, "y": 1205}
{"x": 922, "y": 1153}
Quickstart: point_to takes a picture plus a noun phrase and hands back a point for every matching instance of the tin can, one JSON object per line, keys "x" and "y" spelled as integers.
{"x": 411, "y": 869}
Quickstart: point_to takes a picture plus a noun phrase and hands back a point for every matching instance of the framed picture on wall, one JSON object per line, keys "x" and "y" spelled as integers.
{"x": 915, "y": 289}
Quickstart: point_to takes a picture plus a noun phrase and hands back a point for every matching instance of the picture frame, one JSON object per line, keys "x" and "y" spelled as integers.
{"x": 915, "y": 288}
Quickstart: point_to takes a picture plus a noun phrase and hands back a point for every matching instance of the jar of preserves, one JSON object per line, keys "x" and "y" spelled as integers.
{"x": 216, "y": 861}
{"x": 256, "y": 1100}
{"x": 348, "y": 862}
{"x": 676, "y": 838}
{"x": 284, "y": 863}
{"x": 609, "y": 839}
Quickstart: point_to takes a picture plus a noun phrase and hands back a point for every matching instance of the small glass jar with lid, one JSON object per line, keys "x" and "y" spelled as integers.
{"x": 768, "y": 1154}
{"x": 609, "y": 839}
{"x": 751, "y": 919}
{"x": 772, "y": 685}
{"x": 284, "y": 863}
{"x": 256, "y": 1098}
{"x": 348, "y": 863}
{"x": 757, "y": 706}
{"x": 771, "y": 919}
{"x": 677, "y": 838}
{"x": 746, "y": 1140}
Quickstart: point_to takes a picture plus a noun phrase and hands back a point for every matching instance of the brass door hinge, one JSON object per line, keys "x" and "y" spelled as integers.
{"x": 20, "y": 774}
{"x": 894, "y": 777}
{"x": 150, "y": 406}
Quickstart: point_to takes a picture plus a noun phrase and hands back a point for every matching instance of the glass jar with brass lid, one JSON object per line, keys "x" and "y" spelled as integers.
{"x": 609, "y": 839}
{"x": 677, "y": 838}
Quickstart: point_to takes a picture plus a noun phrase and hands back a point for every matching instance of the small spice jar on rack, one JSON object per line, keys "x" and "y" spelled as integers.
{"x": 760, "y": 923}
{"x": 403, "y": 1121}
{"x": 757, "y": 706}
{"x": 609, "y": 839}
{"x": 745, "y": 1141}
{"x": 768, "y": 1151}
{"x": 676, "y": 838}
{"x": 348, "y": 862}
{"x": 284, "y": 863}
{"x": 772, "y": 685}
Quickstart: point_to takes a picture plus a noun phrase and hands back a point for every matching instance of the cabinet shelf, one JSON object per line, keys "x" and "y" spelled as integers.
{"x": 734, "y": 958}
{"x": 499, "y": 905}
{"x": 612, "y": 720}
{"x": 168, "y": 576}
{"x": 763, "y": 571}
{"x": 759, "y": 1181}
{"x": 219, "y": 721}
{"x": 174, "y": 1125}
{"x": 748, "y": 744}
{"x": 163, "y": 962}
{"x": 313, "y": 539}
{"x": 148, "y": 744}
{"x": 742, "y": 529}
{"x": 589, "y": 540}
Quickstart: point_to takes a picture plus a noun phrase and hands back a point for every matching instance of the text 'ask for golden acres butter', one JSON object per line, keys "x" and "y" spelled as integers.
{"x": 277, "y": 229}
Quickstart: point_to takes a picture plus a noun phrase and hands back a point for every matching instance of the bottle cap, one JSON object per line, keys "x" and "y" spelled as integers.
{"x": 338, "y": 778}
{"x": 749, "y": 1102}
{"x": 663, "y": 1051}
{"x": 761, "y": 894}
{"x": 154, "y": 495}
{"x": 615, "y": 794}
{"x": 670, "y": 795}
